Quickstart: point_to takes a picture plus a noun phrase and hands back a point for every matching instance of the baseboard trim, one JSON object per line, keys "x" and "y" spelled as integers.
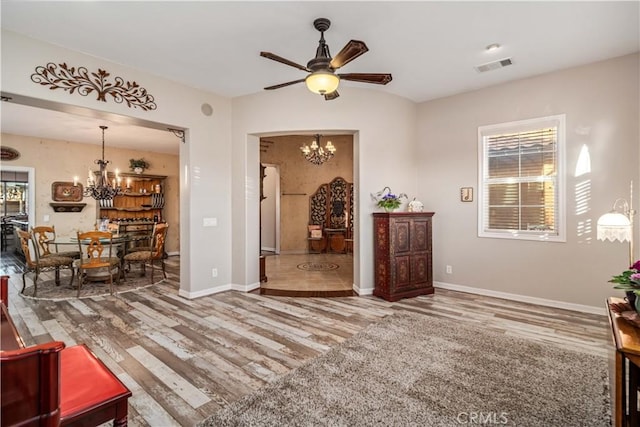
{"x": 362, "y": 291}
{"x": 246, "y": 288}
{"x": 204, "y": 292}
{"x": 306, "y": 294}
{"x": 211, "y": 291}
{"x": 523, "y": 298}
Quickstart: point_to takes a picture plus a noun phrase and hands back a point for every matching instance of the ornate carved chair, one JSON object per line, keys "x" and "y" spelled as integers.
{"x": 141, "y": 242}
{"x": 150, "y": 256}
{"x": 45, "y": 236}
{"x": 99, "y": 256}
{"x": 39, "y": 265}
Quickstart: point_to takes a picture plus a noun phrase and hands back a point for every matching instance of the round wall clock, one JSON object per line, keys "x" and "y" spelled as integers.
{"x": 9, "y": 153}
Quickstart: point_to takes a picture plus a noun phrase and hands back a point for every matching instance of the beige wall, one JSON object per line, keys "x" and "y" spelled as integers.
{"x": 426, "y": 150}
{"x": 205, "y": 156}
{"x": 384, "y": 140}
{"x": 299, "y": 179}
{"x": 600, "y": 101}
{"x": 61, "y": 160}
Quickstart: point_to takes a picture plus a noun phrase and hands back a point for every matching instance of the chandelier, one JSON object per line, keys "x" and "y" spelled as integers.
{"x": 102, "y": 189}
{"x": 315, "y": 153}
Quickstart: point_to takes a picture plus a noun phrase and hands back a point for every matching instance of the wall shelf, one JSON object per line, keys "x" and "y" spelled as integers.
{"x": 67, "y": 207}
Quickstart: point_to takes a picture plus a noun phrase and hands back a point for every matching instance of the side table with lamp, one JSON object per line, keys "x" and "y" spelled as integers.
{"x": 617, "y": 225}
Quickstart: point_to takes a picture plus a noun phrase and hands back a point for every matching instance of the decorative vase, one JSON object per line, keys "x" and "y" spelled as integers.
{"x": 389, "y": 209}
{"x": 631, "y": 298}
{"x": 138, "y": 170}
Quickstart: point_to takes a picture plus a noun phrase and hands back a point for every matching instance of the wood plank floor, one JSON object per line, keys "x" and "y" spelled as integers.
{"x": 185, "y": 359}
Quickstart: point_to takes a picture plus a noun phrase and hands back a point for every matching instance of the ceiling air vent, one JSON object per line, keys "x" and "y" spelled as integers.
{"x": 493, "y": 65}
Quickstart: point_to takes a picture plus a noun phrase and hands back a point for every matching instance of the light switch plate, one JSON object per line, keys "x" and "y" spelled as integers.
{"x": 210, "y": 222}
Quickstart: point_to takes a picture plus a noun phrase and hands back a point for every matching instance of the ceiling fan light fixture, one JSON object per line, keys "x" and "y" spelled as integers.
{"x": 322, "y": 82}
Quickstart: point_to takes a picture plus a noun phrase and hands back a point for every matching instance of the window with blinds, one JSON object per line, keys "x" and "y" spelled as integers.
{"x": 521, "y": 185}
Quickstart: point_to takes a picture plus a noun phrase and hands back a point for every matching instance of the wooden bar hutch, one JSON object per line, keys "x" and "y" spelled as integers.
{"x": 139, "y": 207}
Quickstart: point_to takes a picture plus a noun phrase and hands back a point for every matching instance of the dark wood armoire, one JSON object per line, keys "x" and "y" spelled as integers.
{"x": 402, "y": 254}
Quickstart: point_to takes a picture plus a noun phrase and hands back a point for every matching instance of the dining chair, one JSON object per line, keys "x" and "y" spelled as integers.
{"x": 98, "y": 254}
{"x": 141, "y": 242}
{"x": 6, "y": 233}
{"x": 156, "y": 252}
{"x": 45, "y": 236}
{"x": 38, "y": 265}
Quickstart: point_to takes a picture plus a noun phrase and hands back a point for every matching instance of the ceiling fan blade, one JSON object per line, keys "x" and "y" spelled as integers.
{"x": 282, "y": 60}
{"x": 284, "y": 84}
{"x": 379, "y": 79}
{"x": 349, "y": 52}
{"x": 332, "y": 95}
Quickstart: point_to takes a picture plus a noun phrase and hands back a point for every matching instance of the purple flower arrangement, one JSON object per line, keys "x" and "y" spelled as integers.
{"x": 628, "y": 280}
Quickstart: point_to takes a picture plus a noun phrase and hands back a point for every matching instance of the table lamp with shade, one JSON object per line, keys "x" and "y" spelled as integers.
{"x": 617, "y": 225}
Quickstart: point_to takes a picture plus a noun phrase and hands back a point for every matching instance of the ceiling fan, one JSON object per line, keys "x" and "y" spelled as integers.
{"x": 322, "y": 78}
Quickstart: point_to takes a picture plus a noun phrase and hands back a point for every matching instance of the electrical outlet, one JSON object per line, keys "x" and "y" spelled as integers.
{"x": 46, "y": 218}
{"x": 214, "y": 272}
{"x": 449, "y": 269}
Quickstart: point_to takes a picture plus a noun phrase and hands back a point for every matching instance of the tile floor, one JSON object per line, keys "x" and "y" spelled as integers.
{"x": 288, "y": 273}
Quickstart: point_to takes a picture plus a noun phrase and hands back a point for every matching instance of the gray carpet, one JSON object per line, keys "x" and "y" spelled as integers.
{"x": 415, "y": 370}
{"x": 48, "y": 291}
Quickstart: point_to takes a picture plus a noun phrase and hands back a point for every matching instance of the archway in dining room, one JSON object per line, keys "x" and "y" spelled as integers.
{"x": 77, "y": 120}
{"x": 314, "y": 257}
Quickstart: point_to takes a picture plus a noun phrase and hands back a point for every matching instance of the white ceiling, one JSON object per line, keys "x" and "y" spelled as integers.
{"x": 430, "y": 47}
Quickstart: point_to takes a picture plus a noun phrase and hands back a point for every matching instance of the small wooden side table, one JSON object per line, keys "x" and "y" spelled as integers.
{"x": 626, "y": 360}
{"x": 336, "y": 240}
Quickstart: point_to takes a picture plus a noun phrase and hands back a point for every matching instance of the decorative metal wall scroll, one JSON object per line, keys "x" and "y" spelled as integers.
{"x": 177, "y": 132}
{"x": 71, "y": 79}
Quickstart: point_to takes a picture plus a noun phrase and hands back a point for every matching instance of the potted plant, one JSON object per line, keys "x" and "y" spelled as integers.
{"x": 629, "y": 281}
{"x": 138, "y": 165}
{"x": 387, "y": 200}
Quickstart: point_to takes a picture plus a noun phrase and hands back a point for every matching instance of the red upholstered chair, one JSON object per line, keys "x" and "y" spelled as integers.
{"x": 50, "y": 385}
{"x": 4, "y": 290}
{"x": 30, "y": 392}
{"x": 90, "y": 394}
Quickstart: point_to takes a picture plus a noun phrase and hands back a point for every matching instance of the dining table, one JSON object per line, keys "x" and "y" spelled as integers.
{"x": 122, "y": 243}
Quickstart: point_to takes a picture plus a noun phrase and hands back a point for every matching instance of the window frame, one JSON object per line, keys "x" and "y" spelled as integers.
{"x": 558, "y": 121}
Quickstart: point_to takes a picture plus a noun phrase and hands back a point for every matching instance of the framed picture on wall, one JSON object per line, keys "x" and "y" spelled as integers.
{"x": 66, "y": 192}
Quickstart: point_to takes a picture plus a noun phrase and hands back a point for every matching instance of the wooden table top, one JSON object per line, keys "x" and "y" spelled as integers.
{"x": 626, "y": 335}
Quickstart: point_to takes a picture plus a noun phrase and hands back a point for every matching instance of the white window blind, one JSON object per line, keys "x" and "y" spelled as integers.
{"x": 521, "y": 192}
